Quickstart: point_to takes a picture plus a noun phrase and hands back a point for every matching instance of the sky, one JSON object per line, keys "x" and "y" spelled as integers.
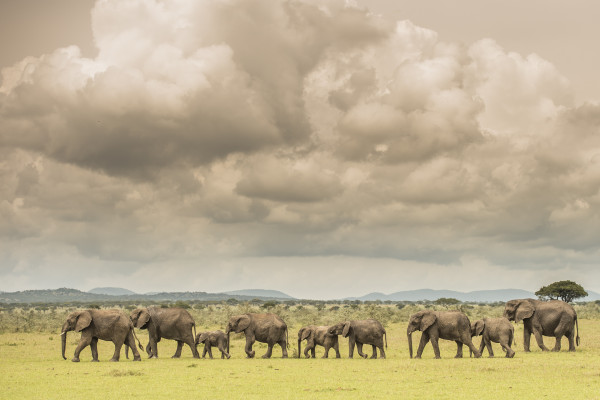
{"x": 324, "y": 148}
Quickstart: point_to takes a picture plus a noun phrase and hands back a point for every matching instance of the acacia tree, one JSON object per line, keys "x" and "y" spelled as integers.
{"x": 567, "y": 291}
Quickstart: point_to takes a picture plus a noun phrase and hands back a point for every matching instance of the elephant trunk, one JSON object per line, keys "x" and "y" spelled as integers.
{"x": 410, "y": 344}
{"x": 299, "y": 347}
{"x": 63, "y": 338}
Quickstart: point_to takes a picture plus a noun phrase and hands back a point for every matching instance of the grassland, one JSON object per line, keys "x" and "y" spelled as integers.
{"x": 31, "y": 367}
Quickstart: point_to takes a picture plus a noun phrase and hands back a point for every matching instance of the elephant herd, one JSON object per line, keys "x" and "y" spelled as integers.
{"x": 540, "y": 318}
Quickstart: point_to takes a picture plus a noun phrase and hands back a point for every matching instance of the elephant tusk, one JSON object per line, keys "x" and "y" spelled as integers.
{"x": 63, "y": 333}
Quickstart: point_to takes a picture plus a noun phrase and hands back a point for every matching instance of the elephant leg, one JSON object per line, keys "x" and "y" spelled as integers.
{"x": 307, "y": 350}
{"x": 381, "y": 350}
{"x": 130, "y": 341}
{"x": 539, "y": 339}
{"x": 249, "y": 342}
{"x": 210, "y": 351}
{"x": 481, "y": 346}
{"x": 94, "y": 347}
{"x": 269, "y": 350}
{"x": 284, "y": 352}
{"x": 510, "y": 353}
{"x": 190, "y": 342}
{"x": 359, "y": 346}
{"x": 557, "y": 345}
{"x": 434, "y": 342}
{"x": 327, "y": 346}
{"x": 374, "y": 355}
{"x": 526, "y": 339}
{"x": 571, "y": 336}
{"x": 424, "y": 340}
{"x": 223, "y": 351}
{"x": 154, "y": 347}
{"x": 117, "y": 354}
{"x": 86, "y": 340}
{"x": 313, "y": 351}
{"x": 351, "y": 347}
{"x": 336, "y": 347}
{"x": 178, "y": 351}
{"x": 149, "y": 350}
{"x": 205, "y": 350}
{"x": 488, "y": 345}
{"x": 459, "y": 349}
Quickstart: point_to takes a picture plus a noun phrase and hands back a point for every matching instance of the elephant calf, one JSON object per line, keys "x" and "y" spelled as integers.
{"x": 497, "y": 330}
{"x": 317, "y": 335}
{"x": 210, "y": 339}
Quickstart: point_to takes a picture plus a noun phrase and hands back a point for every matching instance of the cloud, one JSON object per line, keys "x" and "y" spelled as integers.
{"x": 207, "y": 134}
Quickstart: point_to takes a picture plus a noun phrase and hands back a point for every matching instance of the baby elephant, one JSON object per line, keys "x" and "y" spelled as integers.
{"x": 210, "y": 339}
{"x": 497, "y": 330}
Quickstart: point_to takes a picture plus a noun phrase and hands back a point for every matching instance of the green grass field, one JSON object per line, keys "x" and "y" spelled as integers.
{"x": 31, "y": 367}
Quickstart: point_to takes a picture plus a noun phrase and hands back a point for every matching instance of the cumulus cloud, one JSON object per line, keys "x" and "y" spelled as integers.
{"x": 212, "y": 135}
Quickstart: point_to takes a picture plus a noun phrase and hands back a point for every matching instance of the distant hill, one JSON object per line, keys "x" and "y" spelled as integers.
{"x": 475, "y": 296}
{"x": 260, "y": 293}
{"x": 63, "y": 295}
{"x": 113, "y": 291}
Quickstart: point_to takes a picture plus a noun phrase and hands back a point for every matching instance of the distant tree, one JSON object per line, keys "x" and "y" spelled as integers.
{"x": 269, "y": 304}
{"x": 446, "y": 301}
{"x": 567, "y": 291}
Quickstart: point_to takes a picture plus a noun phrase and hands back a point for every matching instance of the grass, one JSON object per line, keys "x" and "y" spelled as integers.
{"x": 31, "y": 367}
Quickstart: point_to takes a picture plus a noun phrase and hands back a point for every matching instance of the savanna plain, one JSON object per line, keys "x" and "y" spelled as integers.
{"x": 31, "y": 365}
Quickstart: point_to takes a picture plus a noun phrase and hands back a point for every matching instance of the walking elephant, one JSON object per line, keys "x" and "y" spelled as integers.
{"x": 169, "y": 323}
{"x": 497, "y": 330}
{"x": 210, "y": 339}
{"x": 266, "y": 328}
{"x": 359, "y": 332}
{"x": 317, "y": 335}
{"x": 435, "y": 325}
{"x": 544, "y": 318}
{"x": 110, "y": 325}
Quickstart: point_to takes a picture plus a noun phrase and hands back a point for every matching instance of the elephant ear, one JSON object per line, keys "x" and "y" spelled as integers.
{"x": 428, "y": 319}
{"x": 479, "y": 326}
{"x": 143, "y": 318}
{"x": 83, "y": 321}
{"x": 346, "y": 330}
{"x": 203, "y": 337}
{"x": 243, "y": 323}
{"x": 306, "y": 333}
{"x": 524, "y": 310}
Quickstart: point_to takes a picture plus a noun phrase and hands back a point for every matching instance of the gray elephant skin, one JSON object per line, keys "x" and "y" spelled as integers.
{"x": 317, "y": 335}
{"x": 169, "y": 323}
{"x": 212, "y": 339}
{"x": 497, "y": 330}
{"x": 110, "y": 325}
{"x": 435, "y": 325}
{"x": 265, "y": 328}
{"x": 360, "y": 332}
{"x": 544, "y": 318}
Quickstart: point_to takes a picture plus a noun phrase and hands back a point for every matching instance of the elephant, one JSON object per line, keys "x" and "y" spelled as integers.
{"x": 110, "y": 325}
{"x": 359, "y": 332}
{"x": 266, "y": 328}
{"x": 544, "y": 318}
{"x": 497, "y": 330}
{"x": 317, "y": 335}
{"x": 435, "y": 325}
{"x": 169, "y": 323}
{"x": 215, "y": 338}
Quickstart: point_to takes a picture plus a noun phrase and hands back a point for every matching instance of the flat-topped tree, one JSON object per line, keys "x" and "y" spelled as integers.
{"x": 566, "y": 291}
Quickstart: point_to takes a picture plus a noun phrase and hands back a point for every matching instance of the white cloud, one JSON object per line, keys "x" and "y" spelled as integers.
{"x": 217, "y": 135}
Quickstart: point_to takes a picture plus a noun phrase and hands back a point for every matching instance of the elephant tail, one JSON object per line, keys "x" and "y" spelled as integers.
{"x": 385, "y": 334}
{"x": 194, "y": 328}
{"x": 138, "y": 340}
{"x": 287, "y": 342}
{"x": 577, "y": 337}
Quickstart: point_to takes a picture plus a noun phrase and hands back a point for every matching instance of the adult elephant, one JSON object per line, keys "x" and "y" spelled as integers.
{"x": 110, "y": 325}
{"x": 169, "y": 323}
{"x": 544, "y": 318}
{"x": 266, "y": 328}
{"x": 359, "y": 332}
{"x": 317, "y": 335}
{"x": 435, "y": 325}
